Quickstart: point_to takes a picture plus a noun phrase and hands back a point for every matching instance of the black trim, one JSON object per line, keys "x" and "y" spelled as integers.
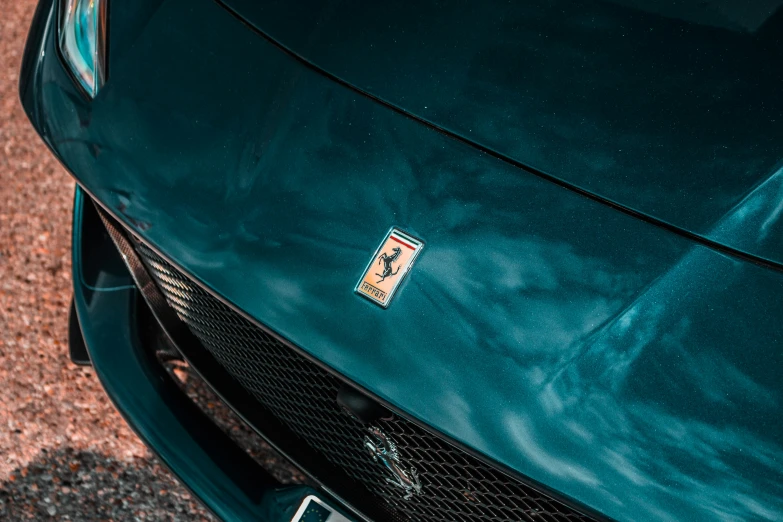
{"x": 77, "y": 350}
{"x": 714, "y": 245}
{"x": 249, "y": 410}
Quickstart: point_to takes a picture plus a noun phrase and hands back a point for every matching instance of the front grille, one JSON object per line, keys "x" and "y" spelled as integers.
{"x": 455, "y": 485}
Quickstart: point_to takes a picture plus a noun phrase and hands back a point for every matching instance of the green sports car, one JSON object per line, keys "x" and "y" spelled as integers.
{"x": 478, "y": 260}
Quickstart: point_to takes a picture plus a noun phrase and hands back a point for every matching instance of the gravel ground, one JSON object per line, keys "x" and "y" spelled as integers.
{"x": 65, "y": 453}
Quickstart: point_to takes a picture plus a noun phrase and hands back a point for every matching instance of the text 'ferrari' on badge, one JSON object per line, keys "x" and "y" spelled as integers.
{"x": 388, "y": 267}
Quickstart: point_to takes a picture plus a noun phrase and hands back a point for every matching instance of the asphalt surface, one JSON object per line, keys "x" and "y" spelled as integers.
{"x": 65, "y": 453}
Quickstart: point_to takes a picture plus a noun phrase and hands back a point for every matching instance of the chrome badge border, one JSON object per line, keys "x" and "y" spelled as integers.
{"x": 393, "y": 291}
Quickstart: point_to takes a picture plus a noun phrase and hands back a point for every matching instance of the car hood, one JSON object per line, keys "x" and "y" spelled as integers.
{"x": 606, "y": 359}
{"x": 670, "y": 110}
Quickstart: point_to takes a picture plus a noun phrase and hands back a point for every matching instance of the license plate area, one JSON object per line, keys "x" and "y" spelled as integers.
{"x": 313, "y": 509}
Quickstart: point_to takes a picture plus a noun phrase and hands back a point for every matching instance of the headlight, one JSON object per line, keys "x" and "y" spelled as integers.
{"x": 83, "y": 41}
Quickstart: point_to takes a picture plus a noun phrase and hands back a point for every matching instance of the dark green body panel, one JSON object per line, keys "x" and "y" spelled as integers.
{"x": 672, "y": 109}
{"x": 605, "y": 358}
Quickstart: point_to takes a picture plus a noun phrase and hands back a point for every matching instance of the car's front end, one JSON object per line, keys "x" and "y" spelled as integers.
{"x": 426, "y": 325}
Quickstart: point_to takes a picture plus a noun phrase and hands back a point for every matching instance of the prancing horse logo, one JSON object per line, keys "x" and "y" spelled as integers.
{"x": 383, "y": 450}
{"x": 388, "y": 266}
{"x": 387, "y": 261}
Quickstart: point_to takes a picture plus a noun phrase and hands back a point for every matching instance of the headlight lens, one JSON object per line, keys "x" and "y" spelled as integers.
{"x": 83, "y": 41}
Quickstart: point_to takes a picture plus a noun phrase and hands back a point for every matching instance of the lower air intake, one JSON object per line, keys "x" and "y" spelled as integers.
{"x": 455, "y": 486}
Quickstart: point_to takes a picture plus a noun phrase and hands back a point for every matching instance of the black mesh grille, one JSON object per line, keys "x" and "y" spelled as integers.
{"x": 455, "y": 485}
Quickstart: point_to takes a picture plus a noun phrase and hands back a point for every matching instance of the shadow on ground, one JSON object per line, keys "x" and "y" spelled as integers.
{"x": 76, "y": 485}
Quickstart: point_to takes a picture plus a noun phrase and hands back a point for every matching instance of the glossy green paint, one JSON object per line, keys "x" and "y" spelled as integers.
{"x": 602, "y": 357}
{"x": 671, "y": 109}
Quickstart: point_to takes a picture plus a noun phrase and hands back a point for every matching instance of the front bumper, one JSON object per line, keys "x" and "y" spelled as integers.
{"x": 206, "y": 460}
